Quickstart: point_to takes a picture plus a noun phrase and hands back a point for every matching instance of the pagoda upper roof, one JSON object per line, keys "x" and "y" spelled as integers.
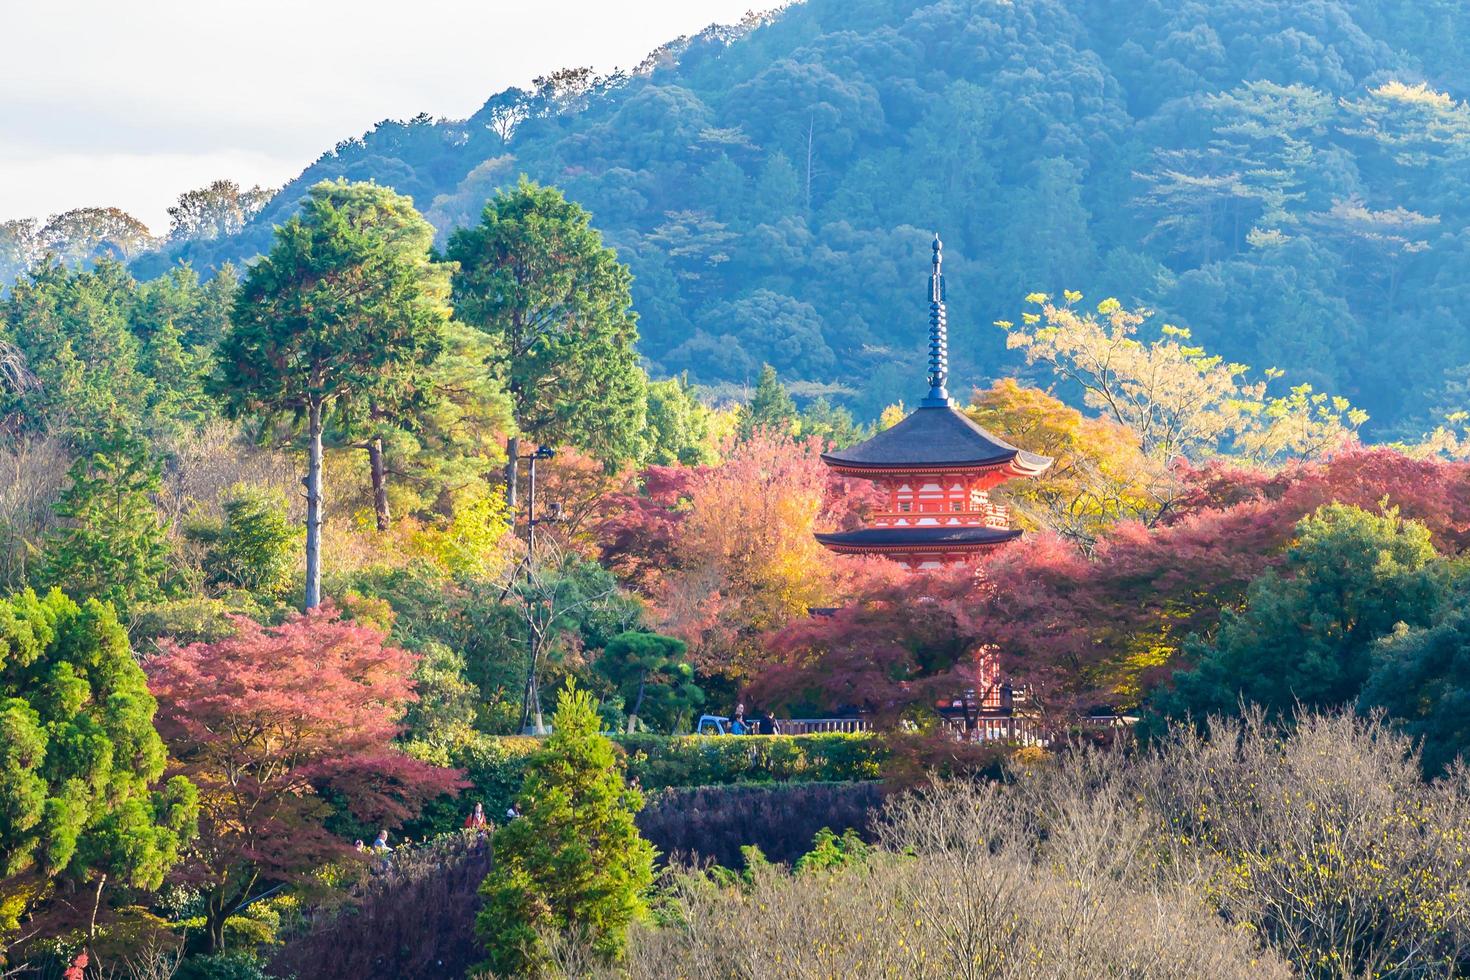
{"x": 934, "y": 537}
{"x": 936, "y": 437}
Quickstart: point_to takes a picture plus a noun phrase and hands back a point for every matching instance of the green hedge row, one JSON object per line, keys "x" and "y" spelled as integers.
{"x": 495, "y": 766}
{"x": 658, "y": 761}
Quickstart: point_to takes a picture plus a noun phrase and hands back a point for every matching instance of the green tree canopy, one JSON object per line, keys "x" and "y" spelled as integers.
{"x": 111, "y": 545}
{"x": 80, "y": 764}
{"x": 1306, "y": 633}
{"x": 574, "y": 861}
{"x": 535, "y": 275}
{"x": 343, "y": 317}
{"x": 654, "y": 677}
{"x": 253, "y": 546}
{"x": 678, "y": 424}
{"x": 1421, "y": 677}
{"x": 771, "y": 407}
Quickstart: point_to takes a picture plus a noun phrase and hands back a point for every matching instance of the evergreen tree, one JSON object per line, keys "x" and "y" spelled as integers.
{"x": 830, "y": 423}
{"x": 112, "y": 545}
{"x": 1305, "y": 638}
{"x": 771, "y": 407}
{"x": 1421, "y": 677}
{"x": 574, "y": 862}
{"x": 344, "y": 315}
{"x": 82, "y": 809}
{"x": 653, "y": 676}
{"x": 535, "y": 275}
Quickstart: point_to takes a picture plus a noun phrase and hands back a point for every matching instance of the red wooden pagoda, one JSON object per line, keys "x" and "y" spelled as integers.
{"x": 937, "y": 468}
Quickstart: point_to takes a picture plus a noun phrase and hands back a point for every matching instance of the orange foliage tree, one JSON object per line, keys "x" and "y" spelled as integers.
{"x": 745, "y": 560}
{"x": 1099, "y": 475}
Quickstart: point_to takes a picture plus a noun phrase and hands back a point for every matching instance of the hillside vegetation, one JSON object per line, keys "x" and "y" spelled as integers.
{"x": 1286, "y": 178}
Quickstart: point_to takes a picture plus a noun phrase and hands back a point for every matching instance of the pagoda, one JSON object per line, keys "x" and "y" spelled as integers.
{"x": 936, "y": 468}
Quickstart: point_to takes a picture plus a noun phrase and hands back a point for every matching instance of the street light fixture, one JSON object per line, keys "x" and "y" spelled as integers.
{"x": 554, "y": 514}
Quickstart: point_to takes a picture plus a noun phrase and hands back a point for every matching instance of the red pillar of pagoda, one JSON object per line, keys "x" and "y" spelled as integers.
{"x": 936, "y": 469}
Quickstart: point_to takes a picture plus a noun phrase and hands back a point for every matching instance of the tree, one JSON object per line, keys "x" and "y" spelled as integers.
{"x": 770, "y": 407}
{"x": 679, "y": 425}
{"x": 252, "y": 547}
{"x": 82, "y": 805}
{"x": 344, "y": 315}
{"x": 1098, "y": 476}
{"x": 440, "y": 455}
{"x": 1421, "y": 678}
{"x": 910, "y": 640}
{"x": 112, "y": 546}
{"x": 214, "y": 211}
{"x": 829, "y": 424}
{"x": 71, "y": 326}
{"x": 559, "y": 593}
{"x": 85, "y": 235}
{"x": 535, "y": 275}
{"x": 1176, "y": 400}
{"x": 281, "y": 728}
{"x": 652, "y": 675}
{"x": 745, "y": 560}
{"x": 1305, "y": 636}
{"x": 574, "y": 861}
{"x": 20, "y": 246}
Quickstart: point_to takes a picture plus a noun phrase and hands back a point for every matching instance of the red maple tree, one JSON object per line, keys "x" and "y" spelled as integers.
{"x": 1084, "y": 631}
{"x": 281, "y": 728}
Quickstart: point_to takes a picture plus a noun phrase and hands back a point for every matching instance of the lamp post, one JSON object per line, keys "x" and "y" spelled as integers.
{"x": 531, "y": 700}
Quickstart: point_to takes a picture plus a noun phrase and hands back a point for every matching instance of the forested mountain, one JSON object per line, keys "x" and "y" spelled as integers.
{"x": 1287, "y": 178}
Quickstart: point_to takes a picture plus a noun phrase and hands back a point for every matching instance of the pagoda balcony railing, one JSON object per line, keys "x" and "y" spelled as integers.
{"x": 990, "y": 515}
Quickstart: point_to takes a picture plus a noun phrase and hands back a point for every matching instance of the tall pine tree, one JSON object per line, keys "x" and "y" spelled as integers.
{"x": 535, "y": 275}
{"x": 345, "y": 316}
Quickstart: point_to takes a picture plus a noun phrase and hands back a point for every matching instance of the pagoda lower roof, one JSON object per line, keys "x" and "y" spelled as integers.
{"x": 923, "y": 537}
{"x": 936, "y": 439}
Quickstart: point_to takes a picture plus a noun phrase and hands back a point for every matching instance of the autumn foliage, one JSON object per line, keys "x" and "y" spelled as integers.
{"x": 280, "y": 728}
{"x": 1087, "y": 630}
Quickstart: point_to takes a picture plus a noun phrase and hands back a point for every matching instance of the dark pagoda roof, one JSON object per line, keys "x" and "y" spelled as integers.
{"x": 936, "y": 437}
{"x": 941, "y": 537}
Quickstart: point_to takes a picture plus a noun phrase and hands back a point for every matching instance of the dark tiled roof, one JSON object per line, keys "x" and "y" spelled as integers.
{"x": 932, "y": 437}
{"x": 923, "y": 534}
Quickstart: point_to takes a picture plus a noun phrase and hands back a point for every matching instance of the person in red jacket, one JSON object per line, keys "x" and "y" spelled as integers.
{"x": 476, "y": 819}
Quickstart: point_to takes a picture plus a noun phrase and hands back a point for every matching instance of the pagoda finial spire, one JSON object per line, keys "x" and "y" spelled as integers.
{"x": 938, "y": 396}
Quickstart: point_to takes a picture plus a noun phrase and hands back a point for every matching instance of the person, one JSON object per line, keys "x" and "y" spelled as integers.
{"x": 359, "y": 846}
{"x": 383, "y": 850}
{"x": 476, "y": 819}
{"x": 513, "y": 811}
{"x": 737, "y": 727}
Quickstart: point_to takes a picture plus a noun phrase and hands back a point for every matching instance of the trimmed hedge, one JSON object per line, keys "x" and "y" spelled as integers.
{"x": 659, "y": 761}
{"x": 712, "y": 823}
{"x": 495, "y": 767}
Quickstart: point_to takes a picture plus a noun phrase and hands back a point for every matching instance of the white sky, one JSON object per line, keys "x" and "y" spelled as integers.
{"x": 129, "y": 102}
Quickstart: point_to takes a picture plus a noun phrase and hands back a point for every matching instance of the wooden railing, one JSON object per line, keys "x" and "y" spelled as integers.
{"x": 814, "y": 726}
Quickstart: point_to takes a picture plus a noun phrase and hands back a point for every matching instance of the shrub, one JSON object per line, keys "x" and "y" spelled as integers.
{"x": 414, "y": 920}
{"x": 935, "y": 916}
{"x": 496, "y": 766}
{"x": 1259, "y": 851}
{"x": 714, "y": 823}
{"x": 695, "y": 760}
{"x": 254, "y": 546}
